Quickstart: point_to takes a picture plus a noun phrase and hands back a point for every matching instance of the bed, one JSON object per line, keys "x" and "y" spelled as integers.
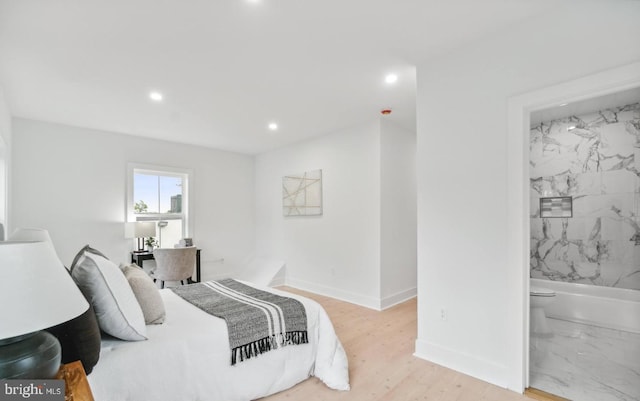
{"x": 158, "y": 345}
{"x": 187, "y": 358}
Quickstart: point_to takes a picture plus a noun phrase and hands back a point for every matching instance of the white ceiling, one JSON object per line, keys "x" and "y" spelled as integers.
{"x": 229, "y": 67}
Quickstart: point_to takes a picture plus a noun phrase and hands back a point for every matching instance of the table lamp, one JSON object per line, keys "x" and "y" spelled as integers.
{"x": 139, "y": 230}
{"x": 36, "y": 292}
{"x": 26, "y": 234}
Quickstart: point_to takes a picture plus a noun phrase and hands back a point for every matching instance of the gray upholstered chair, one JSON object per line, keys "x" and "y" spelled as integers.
{"x": 174, "y": 264}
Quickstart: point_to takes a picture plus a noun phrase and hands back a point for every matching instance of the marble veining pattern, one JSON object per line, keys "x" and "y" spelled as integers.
{"x": 595, "y": 159}
{"x": 586, "y": 363}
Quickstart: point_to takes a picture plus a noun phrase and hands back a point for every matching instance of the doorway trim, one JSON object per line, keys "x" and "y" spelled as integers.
{"x": 519, "y": 110}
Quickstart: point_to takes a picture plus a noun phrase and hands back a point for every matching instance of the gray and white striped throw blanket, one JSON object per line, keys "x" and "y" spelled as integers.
{"x": 257, "y": 321}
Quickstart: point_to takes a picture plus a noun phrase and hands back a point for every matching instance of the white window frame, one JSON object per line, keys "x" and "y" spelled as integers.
{"x": 187, "y": 179}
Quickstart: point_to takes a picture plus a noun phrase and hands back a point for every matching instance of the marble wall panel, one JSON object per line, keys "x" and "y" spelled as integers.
{"x": 616, "y": 148}
{"x": 616, "y": 229}
{"x": 567, "y": 184}
{"x": 595, "y": 158}
{"x": 580, "y": 227}
{"x": 536, "y": 229}
{"x": 620, "y": 181}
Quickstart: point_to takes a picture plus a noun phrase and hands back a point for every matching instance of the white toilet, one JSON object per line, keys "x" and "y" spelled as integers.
{"x": 539, "y": 298}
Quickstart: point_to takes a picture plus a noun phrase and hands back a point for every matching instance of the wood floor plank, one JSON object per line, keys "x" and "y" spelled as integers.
{"x": 382, "y": 367}
{"x": 542, "y": 395}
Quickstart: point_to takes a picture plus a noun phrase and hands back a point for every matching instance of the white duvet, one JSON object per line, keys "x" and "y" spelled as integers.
{"x": 187, "y": 358}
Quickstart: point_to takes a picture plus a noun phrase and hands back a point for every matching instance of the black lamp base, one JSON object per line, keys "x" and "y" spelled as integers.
{"x": 31, "y": 356}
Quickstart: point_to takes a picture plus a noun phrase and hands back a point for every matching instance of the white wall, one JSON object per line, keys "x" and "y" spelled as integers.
{"x": 462, "y": 177}
{"x": 363, "y": 248}
{"x": 397, "y": 213}
{"x": 73, "y": 182}
{"x": 5, "y": 159}
{"x": 336, "y": 253}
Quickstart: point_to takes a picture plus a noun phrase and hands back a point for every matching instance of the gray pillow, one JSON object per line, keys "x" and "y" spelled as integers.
{"x": 146, "y": 293}
{"x": 107, "y": 289}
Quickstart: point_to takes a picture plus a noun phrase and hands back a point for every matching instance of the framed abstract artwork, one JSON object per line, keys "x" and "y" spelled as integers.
{"x": 302, "y": 194}
{"x": 559, "y": 206}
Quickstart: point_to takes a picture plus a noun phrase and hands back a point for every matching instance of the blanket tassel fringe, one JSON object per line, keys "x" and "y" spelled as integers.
{"x": 267, "y": 344}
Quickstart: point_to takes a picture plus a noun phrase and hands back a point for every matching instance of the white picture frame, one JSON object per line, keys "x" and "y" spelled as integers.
{"x": 302, "y": 194}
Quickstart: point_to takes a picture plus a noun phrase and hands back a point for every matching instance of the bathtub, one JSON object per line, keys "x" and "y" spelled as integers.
{"x": 613, "y": 308}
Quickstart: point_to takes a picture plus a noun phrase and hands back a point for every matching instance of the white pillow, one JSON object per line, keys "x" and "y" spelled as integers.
{"x": 106, "y": 287}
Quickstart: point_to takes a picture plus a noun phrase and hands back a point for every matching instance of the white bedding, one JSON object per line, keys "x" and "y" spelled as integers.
{"x": 187, "y": 358}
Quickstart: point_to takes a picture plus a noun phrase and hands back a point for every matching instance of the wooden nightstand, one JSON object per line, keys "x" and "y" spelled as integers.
{"x": 76, "y": 384}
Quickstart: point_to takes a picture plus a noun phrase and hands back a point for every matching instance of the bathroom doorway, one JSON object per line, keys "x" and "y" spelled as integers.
{"x": 585, "y": 260}
{"x": 520, "y": 109}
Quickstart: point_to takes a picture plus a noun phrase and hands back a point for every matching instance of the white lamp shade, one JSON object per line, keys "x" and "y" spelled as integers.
{"x": 30, "y": 234}
{"x": 36, "y": 291}
{"x": 139, "y": 229}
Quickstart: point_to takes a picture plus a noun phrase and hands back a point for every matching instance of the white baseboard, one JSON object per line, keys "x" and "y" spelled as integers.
{"x": 351, "y": 297}
{"x": 279, "y": 279}
{"x": 398, "y": 298}
{"x": 468, "y": 364}
{"x": 362, "y": 300}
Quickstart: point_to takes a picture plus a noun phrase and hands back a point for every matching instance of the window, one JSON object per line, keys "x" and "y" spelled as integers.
{"x": 160, "y": 194}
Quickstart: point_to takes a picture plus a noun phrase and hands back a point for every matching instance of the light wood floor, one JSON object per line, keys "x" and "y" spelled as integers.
{"x": 379, "y": 346}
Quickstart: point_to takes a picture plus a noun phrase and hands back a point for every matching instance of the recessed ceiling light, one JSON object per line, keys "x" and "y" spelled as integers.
{"x": 155, "y": 96}
{"x": 391, "y": 78}
{"x": 273, "y": 126}
{"x": 563, "y": 104}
